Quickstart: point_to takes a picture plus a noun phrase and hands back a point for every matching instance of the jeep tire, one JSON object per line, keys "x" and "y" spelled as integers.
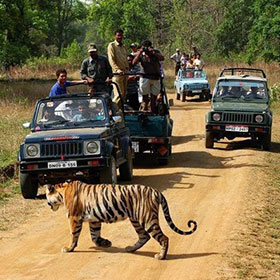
{"x": 184, "y": 97}
{"x": 126, "y": 169}
{"x": 266, "y": 141}
{"x": 109, "y": 174}
{"x": 178, "y": 96}
{"x": 28, "y": 185}
{"x": 209, "y": 140}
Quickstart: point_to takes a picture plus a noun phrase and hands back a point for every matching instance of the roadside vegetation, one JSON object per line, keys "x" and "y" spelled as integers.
{"x": 255, "y": 252}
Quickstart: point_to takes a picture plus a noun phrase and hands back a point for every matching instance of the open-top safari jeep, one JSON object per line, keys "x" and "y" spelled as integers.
{"x": 74, "y": 136}
{"x": 240, "y": 107}
{"x": 152, "y": 132}
{"x": 191, "y": 82}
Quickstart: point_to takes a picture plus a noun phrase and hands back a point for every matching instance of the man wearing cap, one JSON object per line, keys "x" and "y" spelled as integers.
{"x": 96, "y": 70}
{"x": 117, "y": 56}
{"x": 133, "y": 49}
{"x": 177, "y": 58}
{"x": 149, "y": 83}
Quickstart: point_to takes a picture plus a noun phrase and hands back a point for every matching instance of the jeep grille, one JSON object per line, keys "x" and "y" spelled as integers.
{"x": 61, "y": 148}
{"x": 238, "y": 118}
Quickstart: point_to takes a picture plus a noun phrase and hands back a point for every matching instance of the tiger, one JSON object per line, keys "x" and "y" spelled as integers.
{"x": 106, "y": 203}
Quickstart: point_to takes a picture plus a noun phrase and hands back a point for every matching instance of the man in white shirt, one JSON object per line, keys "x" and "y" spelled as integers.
{"x": 177, "y": 58}
{"x": 198, "y": 63}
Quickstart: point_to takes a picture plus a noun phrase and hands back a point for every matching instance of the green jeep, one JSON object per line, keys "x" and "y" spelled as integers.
{"x": 240, "y": 107}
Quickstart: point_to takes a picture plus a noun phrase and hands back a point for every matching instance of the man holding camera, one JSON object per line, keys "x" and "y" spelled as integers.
{"x": 149, "y": 83}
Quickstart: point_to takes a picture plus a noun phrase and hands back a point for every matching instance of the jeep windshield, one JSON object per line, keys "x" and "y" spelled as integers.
{"x": 193, "y": 73}
{"x": 72, "y": 112}
{"x": 254, "y": 91}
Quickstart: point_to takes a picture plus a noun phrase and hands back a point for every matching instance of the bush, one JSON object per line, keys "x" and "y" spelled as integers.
{"x": 275, "y": 92}
{"x": 73, "y": 53}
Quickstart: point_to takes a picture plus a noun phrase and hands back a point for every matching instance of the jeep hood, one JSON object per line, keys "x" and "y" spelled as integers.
{"x": 243, "y": 107}
{"x": 195, "y": 81}
{"x": 78, "y": 133}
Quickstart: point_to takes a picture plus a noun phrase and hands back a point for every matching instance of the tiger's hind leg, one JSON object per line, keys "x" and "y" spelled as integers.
{"x": 162, "y": 239}
{"x": 95, "y": 229}
{"x": 75, "y": 230}
{"x": 143, "y": 237}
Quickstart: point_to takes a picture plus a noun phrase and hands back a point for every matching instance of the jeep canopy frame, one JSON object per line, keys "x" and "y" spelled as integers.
{"x": 242, "y": 71}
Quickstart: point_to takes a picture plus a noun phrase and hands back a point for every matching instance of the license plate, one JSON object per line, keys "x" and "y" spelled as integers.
{"x": 237, "y": 128}
{"x": 196, "y": 91}
{"x": 62, "y": 164}
{"x": 135, "y": 147}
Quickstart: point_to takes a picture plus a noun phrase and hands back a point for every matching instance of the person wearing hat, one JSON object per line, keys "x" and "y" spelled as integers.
{"x": 62, "y": 83}
{"x": 117, "y": 55}
{"x": 133, "y": 49}
{"x": 177, "y": 58}
{"x": 96, "y": 70}
{"x": 149, "y": 83}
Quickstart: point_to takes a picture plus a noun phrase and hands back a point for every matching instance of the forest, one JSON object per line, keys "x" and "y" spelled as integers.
{"x": 237, "y": 30}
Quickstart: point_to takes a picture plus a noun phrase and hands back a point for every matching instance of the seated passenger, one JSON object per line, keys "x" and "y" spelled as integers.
{"x": 254, "y": 93}
{"x": 235, "y": 91}
{"x": 223, "y": 91}
{"x": 49, "y": 115}
{"x": 83, "y": 114}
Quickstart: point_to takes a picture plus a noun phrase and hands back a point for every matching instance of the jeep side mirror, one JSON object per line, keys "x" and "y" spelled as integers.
{"x": 26, "y": 125}
{"x": 171, "y": 102}
{"x": 117, "y": 119}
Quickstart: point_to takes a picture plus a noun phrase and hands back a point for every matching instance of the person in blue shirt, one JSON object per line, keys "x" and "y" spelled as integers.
{"x": 60, "y": 86}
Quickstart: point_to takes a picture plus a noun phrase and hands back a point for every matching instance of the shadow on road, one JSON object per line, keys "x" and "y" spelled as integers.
{"x": 178, "y": 140}
{"x": 149, "y": 254}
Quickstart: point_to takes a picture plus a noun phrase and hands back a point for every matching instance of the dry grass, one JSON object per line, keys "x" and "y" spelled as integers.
{"x": 255, "y": 250}
{"x": 12, "y": 132}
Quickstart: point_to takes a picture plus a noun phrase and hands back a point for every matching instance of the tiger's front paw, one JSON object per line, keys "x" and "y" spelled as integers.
{"x": 67, "y": 250}
{"x": 159, "y": 257}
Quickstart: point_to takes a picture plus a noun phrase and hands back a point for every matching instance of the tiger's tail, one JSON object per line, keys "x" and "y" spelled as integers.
{"x": 167, "y": 216}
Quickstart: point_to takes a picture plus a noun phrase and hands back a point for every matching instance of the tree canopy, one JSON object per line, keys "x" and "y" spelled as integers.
{"x": 246, "y": 29}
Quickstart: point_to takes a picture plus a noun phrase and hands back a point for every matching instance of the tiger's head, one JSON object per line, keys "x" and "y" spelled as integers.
{"x": 55, "y": 195}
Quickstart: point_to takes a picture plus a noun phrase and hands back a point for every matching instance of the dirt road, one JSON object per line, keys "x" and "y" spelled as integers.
{"x": 206, "y": 185}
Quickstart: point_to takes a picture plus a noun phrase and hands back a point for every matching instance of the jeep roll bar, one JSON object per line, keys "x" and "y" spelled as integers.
{"x": 241, "y": 71}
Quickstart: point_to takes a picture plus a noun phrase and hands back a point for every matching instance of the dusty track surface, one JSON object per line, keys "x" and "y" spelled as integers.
{"x": 207, "y": 185}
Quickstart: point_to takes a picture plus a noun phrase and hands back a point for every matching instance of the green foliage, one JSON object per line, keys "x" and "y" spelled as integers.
{"x": 12, "y": 54}
{"x": 232, "y": 32}
{"x": 275, "y": 92}
{"x": 264, "y": 36}
{"x": 241, "y": 30}
{"x": 73, "y": 52}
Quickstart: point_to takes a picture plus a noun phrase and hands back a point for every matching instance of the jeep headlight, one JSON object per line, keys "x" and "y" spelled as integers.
{"x": 91, "y": 147}
{"x": 32, "y": 150}
{"x": 216, "y": 117}
{"x": 259, "y": 118}
{"x": 186, "y": 87}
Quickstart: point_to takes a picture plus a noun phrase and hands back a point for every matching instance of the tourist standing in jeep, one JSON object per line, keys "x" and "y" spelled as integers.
{"x": 96, "y": 70}
{"x": 117, "y": 55}
{"x": 177, "y": 58}
{"x": 149, "y": 83}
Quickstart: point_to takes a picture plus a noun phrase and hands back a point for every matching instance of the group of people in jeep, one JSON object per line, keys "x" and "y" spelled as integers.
{"x": 187, "y": 61}
{"x": 97, "y": 71}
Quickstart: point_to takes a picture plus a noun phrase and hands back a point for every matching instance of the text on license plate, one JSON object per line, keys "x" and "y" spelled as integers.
{"x": 62, "y": 164}
{"x": 135, "y": 146}
{"x": 237, "y": 128}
